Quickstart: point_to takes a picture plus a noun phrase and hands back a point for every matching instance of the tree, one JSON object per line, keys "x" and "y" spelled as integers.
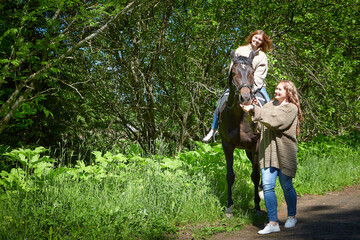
{"x": 317, "y": 48}
{"x": 39, "y": 36}
{"x": 150, "y": 71}
{"x": 164, "y": 58}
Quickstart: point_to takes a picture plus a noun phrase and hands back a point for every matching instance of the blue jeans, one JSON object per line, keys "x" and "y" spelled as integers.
{"x": 215, "y": 123}
{"x": 268, "y": 176}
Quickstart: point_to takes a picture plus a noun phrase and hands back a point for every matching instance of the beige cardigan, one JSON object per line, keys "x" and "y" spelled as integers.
{"x": 260, "y": 64}
{"x": 278, "y": 143}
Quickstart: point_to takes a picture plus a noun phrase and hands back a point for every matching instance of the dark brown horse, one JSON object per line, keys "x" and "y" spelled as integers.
{"x": 235, "y": 130}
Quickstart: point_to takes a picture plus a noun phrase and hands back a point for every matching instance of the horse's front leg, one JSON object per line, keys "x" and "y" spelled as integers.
{"x": 230, "y": 175}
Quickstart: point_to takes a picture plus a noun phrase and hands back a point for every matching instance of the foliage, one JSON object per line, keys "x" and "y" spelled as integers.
{"x": 328, "y": 164}
{"x": 150, "y": 72}
{"x": 117, "y": 196}
{"x": 35, "y": 38}
{"x": 129, "y": 196}
{"x": 320, "y": 54}
{"x": 35, "y": 170}
{"x": 143, "y": 77}
{"x": 211, "y": 161}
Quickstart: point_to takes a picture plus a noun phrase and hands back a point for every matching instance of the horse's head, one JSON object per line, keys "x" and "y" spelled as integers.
{"x": 241, "y": 77}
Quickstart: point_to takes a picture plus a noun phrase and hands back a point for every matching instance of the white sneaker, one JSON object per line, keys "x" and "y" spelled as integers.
{"x": 290, "y": 222}
{"x": 270, "y": 229}
{"x": 209, "y": 135}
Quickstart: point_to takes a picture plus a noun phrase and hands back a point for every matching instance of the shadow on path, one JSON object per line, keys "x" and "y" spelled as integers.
{"x": 333, "y": 215}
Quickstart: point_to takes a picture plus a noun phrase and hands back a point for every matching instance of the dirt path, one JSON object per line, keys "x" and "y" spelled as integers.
{"x": 333, "y": 215}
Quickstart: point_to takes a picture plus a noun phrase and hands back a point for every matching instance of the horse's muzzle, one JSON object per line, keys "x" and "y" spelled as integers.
{"x": 245, "y": 98}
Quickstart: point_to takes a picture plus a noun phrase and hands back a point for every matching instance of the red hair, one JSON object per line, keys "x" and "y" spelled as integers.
{"x": 293, "y": 97}
{"x": 266, "y": 44}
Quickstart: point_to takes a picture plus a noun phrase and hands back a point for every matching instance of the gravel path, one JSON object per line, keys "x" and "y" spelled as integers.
{"x": 334, "y": 215}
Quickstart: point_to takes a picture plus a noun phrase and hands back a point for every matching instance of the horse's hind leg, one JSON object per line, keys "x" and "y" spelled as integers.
{"x": 255, "y": 177}
{"x": 230, "y": 175}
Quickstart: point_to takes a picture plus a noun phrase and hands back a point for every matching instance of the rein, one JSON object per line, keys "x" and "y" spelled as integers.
{"x": 238, "y": 89}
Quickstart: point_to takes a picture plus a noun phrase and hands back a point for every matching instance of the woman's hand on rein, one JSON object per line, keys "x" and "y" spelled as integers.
{"x": 255, "y": 101}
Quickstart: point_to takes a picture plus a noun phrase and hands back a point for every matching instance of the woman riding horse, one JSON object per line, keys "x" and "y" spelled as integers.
{"x": 259, "y": 42}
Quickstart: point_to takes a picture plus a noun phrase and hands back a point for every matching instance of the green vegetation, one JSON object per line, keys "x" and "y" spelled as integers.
{"x": 327, "y": 164}
{"x": 116, "y": 197}
{"x": 129, "y": 196}
{"x": 95, "y": 73}
{"x": 139, "y": 81}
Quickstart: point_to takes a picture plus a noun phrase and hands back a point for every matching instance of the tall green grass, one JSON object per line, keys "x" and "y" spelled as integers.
{"x": 135, "y": 197}
{"x": 210, "y": 160}
{"x": 328, "y": 164}
{"x": 117, "y": 198}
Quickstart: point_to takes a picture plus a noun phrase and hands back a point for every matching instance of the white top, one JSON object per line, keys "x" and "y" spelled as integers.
{"x": 260, "y": 64}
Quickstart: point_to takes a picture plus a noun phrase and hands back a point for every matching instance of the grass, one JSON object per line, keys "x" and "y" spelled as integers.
{"x": 143, "y": 200}
{"x": 324, "y": 164}
{"x": 327, "y": 166}
{"x": 134, "y": 197}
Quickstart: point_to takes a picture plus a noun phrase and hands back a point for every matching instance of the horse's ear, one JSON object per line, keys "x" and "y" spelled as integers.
{"x": 252, "y": 55}
{"x": 232, "y": 54}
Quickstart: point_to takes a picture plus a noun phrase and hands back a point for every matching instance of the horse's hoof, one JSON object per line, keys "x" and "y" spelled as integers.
{"x": 229, "y": 212}
{"x": 261, "y": 195}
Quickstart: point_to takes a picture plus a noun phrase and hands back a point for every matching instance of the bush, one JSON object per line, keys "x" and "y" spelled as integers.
{"x": 130, "y": 196}
{"x": 117, "y": 197}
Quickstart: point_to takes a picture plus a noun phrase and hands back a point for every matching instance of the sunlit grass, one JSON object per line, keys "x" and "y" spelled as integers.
{"x": 147, "y": 201}
{"x": 323, "y": 169}
{"x": 127, "y": 197}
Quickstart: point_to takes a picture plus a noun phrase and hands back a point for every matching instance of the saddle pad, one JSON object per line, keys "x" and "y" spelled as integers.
{"x": 224, "y": 97}
{"x": 221, "y": 103}
{"x": 260, "y": 98}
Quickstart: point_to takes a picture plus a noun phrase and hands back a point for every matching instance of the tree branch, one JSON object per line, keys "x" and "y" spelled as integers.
{"x": 14, "y": 101}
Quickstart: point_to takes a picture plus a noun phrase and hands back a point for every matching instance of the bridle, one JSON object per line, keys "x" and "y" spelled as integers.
{"x": 238, "y": 88}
